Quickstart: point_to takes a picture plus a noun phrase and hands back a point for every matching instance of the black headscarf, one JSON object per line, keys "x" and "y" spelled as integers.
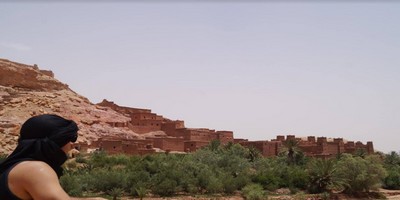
{"x": 41, "y": 138}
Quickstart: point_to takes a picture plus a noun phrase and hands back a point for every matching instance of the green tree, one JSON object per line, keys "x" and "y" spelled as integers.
{"x": 322, "y": 174}
{"x": 392, "y": 180}
{"x": 360, "y": 174}
{"x": 392, "y": 159}
{"x": 292, "y": 152}
{"x": 214, "y": 145}
{"x": 254, "y": 154}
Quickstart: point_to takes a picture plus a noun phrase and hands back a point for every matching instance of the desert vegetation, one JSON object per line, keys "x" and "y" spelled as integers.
{"x": 230, "y": 169}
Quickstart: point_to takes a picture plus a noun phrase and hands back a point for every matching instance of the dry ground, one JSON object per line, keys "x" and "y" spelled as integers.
{"x": 390, "y": 194}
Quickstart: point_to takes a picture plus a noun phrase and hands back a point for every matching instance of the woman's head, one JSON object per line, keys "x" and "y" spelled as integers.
{"x": 53, "y": 127}
{"x": 44, "y": 138}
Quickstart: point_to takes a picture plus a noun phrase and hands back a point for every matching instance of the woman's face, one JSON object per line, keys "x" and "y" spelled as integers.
{"x": 66, "y": 148}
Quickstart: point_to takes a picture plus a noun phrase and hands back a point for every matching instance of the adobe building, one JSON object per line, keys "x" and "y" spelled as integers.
{"x": 168, "y": 143}
{"x": 266, "y": 148}
{"x": 124, "y": 146}
{"x": 313, "y": 147}
{"x": 192, "y": 146}
{"x": 181, "y": 139}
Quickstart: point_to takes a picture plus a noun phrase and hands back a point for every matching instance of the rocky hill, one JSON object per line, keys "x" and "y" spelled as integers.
{"x": 26, "y": 91}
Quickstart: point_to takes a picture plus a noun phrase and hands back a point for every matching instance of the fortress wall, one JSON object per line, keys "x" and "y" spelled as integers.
{"x": 169, "y": 144}
{"x": 280, "y": 138}
{"x": 200, "y": 135}
{"x": 192, "y": 146}
{"x": 272, "y": 149}
{"x": 225, "y": 136}
{"x": 111, "y": 146}
{"x": 144, "y": 129}
{"x": 331, "y": 148}
{"x": 147, "y": 122}
{"x": 141, "y": 116}
{"x": 170, "y": 128}
{"x": 130, "y": 149}
{"x": 266, "y": 148}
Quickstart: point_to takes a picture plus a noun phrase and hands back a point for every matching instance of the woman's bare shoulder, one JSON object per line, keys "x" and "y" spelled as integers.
{"x": 31, "y": 169}
{"x": 36, "y": 180}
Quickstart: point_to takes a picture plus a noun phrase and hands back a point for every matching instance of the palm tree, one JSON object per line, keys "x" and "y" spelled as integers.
{"x": 141, "y": 192}
{"x": 214, "y": 145}
{"x": 254, "y": 154}
{"x": 322, "y": 175}
{"x": 292, "y": 151}
{"x": 116, "y": 192}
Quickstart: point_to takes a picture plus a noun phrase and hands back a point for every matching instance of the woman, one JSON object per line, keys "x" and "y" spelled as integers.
{"x": 34, "y": 167}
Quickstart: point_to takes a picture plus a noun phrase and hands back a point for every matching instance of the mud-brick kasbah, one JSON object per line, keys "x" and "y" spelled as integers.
{"x": 26, "y": 90}
{"x": 182, "y": 139}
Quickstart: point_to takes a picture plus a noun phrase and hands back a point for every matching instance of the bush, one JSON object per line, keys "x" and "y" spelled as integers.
{"x": 81, "y": 159}
{"x": 214, "y": 185}
{"x": 322, "y": 177}
{"x": 103, "y": 180}
{"x": 253, "y": 192}
{"x": 392, "y": 181}
{"x": 141, "y": 192}
{"x": 115, "y": 192}
{"x": 360, "y": 174}
{"x": 166, "y": 187}
{"x": 71, "y": 185}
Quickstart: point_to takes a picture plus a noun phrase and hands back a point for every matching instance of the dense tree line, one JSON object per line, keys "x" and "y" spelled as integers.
{"x": 226, "y": 169}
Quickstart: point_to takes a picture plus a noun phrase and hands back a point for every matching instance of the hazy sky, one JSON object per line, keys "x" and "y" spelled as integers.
{"x": 259, "y": 69}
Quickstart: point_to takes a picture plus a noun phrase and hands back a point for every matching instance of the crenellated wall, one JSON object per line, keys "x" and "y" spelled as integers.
{"x": 180, "y": 138}
{"x": 320, "y": 147}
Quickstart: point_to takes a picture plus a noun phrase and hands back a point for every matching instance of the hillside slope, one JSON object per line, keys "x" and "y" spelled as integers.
{"x": 26, "y": 91}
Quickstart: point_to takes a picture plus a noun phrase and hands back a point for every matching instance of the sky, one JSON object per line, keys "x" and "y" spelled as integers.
{"x": 257, "y": 68}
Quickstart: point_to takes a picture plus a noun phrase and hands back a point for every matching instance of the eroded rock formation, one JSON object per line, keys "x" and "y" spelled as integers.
{"x": 26, "y": 91}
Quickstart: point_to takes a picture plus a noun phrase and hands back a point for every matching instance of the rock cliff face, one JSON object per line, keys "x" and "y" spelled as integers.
{"x": 26, "y": 91}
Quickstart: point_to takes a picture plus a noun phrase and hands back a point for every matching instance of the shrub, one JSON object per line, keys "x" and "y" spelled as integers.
{"x": 214, "y": 185}
{"x": 103, "y": 180}
{"x": 115, "y": 192}
{"x": 360, "y": 174}
{"x": 322, "y": 177}
{"x": 81, "y": 159}
{"x": 166, "y": 187}
{"x": 71, "y": 185}
{"x": 295, "y": 177}
{"x": 141, "y": 192}
{"x": 253, "y": 192}
{"x": 392, "y": 181}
